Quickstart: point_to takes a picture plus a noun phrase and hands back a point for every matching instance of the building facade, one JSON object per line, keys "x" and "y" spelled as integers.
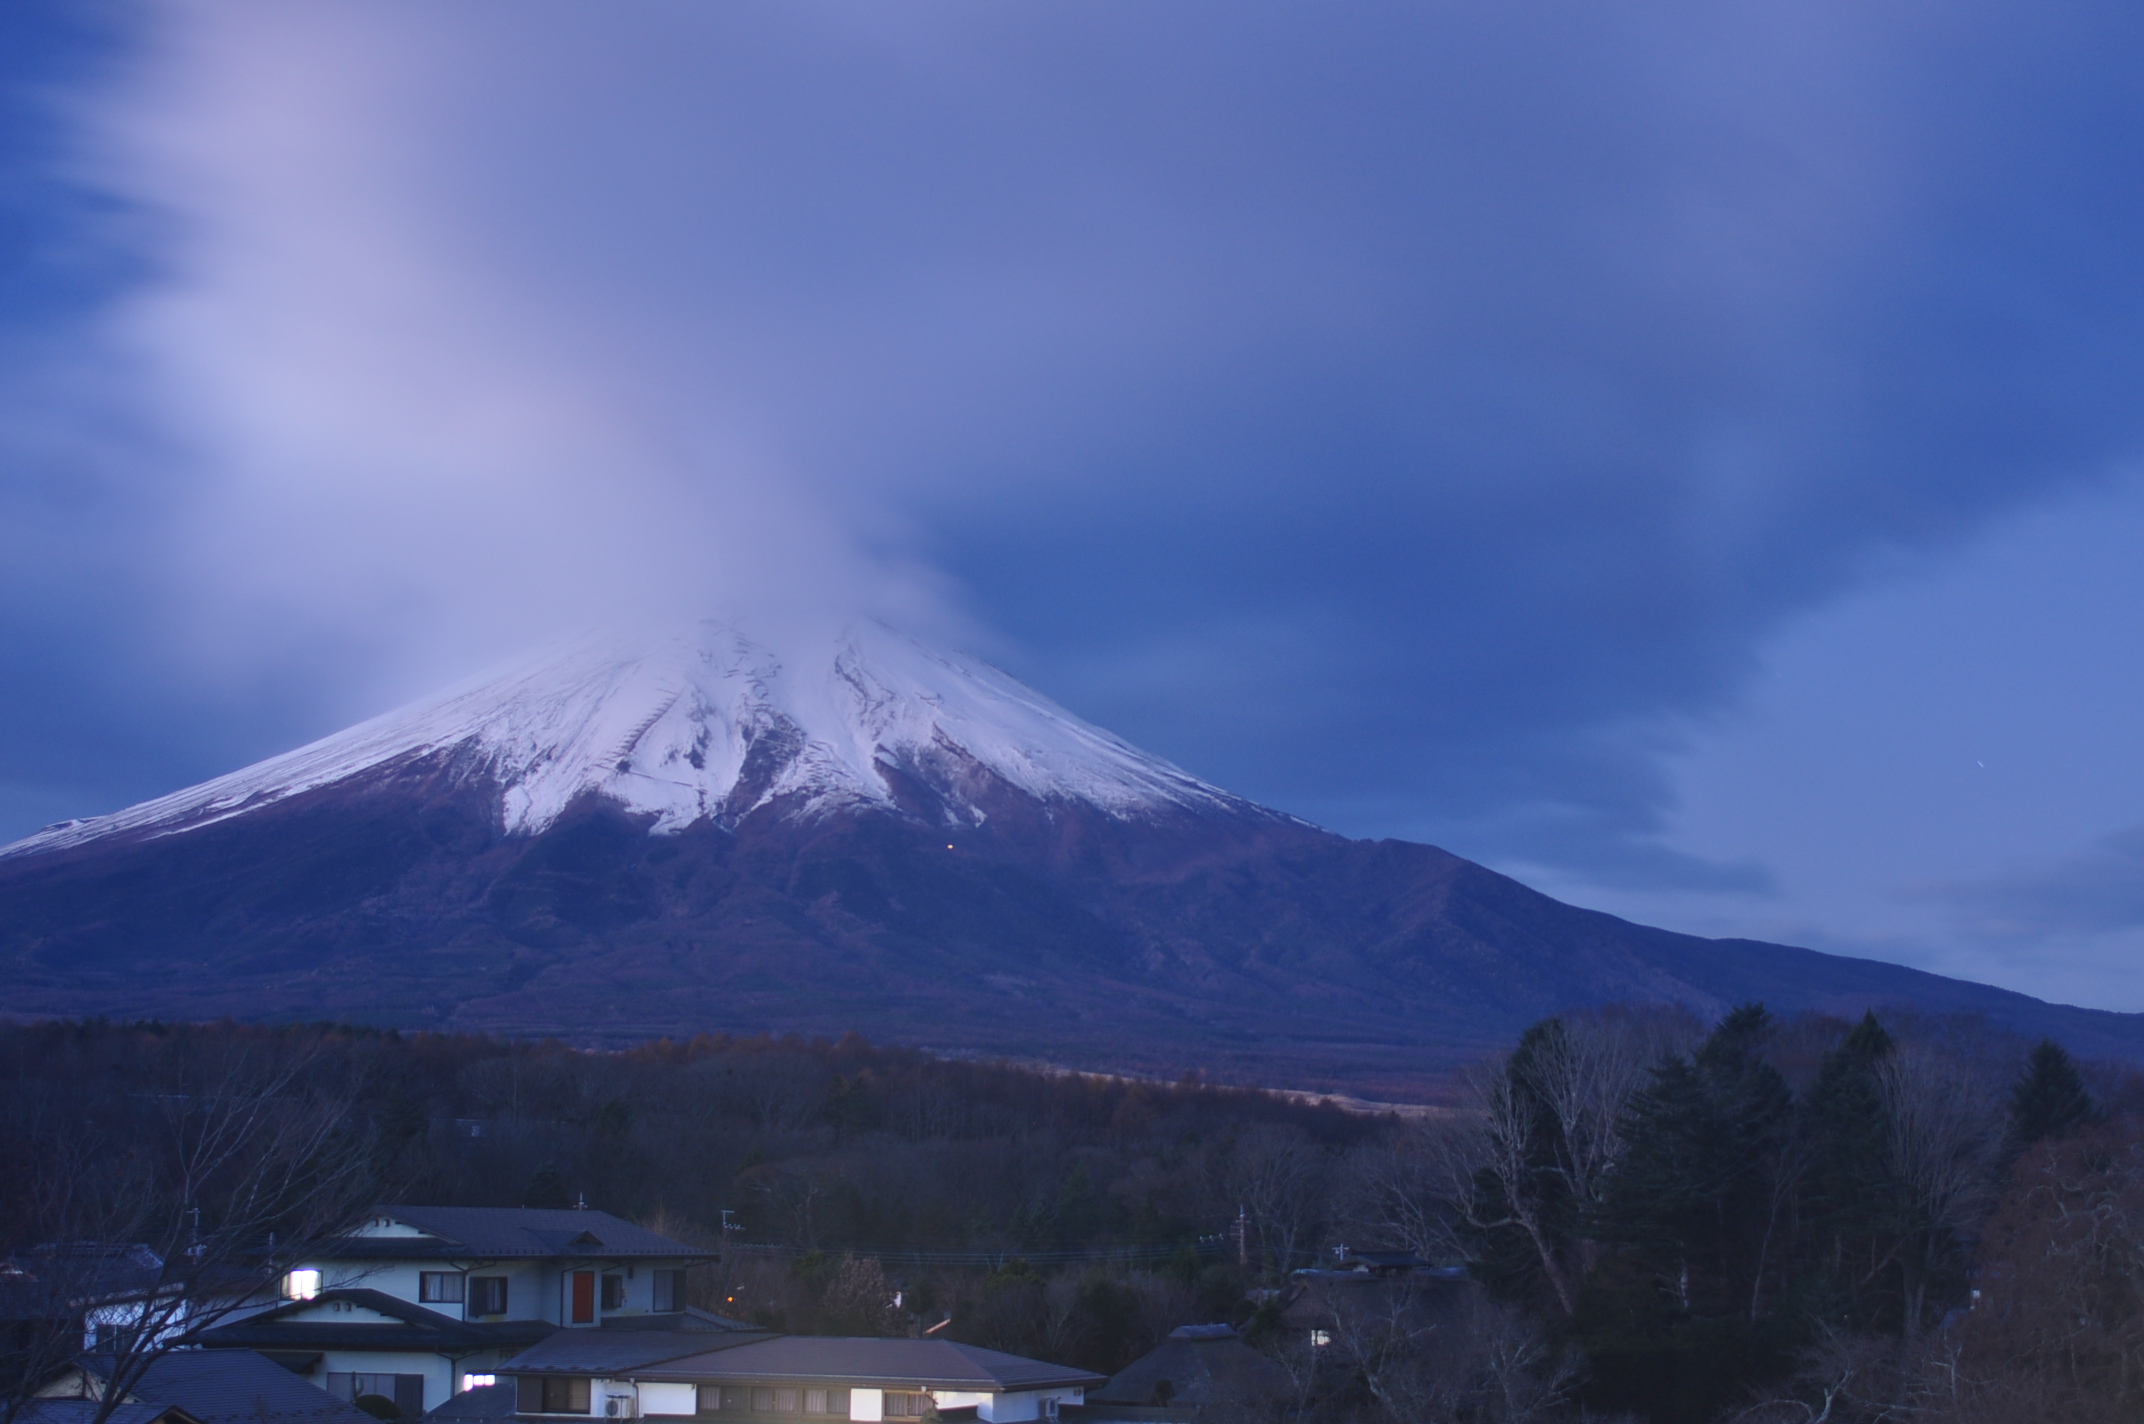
{"x": 420, "y": 1303}
{"x": 753, "y": 1378}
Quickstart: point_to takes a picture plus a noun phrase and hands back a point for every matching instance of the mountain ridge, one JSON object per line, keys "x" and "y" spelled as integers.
{"x": 971, "y": 869}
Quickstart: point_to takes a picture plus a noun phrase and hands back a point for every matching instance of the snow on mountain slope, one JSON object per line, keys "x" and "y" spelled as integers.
{"x": 710, "y": 724}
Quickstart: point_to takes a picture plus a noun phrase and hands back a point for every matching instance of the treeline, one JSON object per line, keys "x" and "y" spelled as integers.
{"x": 1905, "y": 1219}
{"x": 1069, "y": 1216}
{"x": 1808, "y": 1221}
{"x": 816, "y": 1145}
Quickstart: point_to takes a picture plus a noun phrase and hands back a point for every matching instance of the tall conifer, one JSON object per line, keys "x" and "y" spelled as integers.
{"x": 2050, "y": 1098}
{"x": 1851, "y": 1201}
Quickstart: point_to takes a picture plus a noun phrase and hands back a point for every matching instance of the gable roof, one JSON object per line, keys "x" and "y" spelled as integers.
{"x": 233, "y": 1387}
{"x": 58, "y": 1279}
{"x": 408, "y": 1327}
{"x": 616, "y": 1352}
{"x": 1197, "y": 1364}
{"x": 81, "y": 1411}
{"x": 482, "y": 1405}
{"x": 490, "y": 1232}
{"x": 690, "y": 1318}
{"x": 838, "y": 1360}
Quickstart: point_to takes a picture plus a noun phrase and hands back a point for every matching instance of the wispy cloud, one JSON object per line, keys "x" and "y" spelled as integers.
{"x": 1401, "y": 414}
{"x": 2095, "y": 892}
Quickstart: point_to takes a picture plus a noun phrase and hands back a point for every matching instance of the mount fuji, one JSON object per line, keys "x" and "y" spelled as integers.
{"x": 704, "y": 832}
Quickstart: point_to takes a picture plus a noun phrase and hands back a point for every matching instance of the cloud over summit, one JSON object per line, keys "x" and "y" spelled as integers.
{"x": 1419, "y": 417}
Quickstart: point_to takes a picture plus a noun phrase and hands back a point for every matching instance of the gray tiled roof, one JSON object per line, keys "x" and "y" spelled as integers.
{"x": 476, "y": 1406}
{"x": 81, "y": 1411}
{"x": 487, "y": 1232}
{"x": 1200, "y": 1365}
{"x": 690, "y": 1318}
{"x": 589, "y": 1352}
{"x": 839, "y": 1360}
{"x": 235, "y": 1387}
{"x": 409, "y": 1327}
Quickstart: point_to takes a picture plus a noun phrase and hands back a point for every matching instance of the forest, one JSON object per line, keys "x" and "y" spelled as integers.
{"x": 1760, "y": 1220}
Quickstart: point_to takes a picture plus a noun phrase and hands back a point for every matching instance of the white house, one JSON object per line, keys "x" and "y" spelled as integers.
{"x": 422, "y": 1302}
{"x": 761, "y": 1379}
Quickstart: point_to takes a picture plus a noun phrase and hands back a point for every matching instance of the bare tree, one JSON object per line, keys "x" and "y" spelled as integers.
{"x": 1944, "y": 1136}
{"x": 1586, "y": 1077}
{"x": 1400, "y": 1191}
{"x": 1427, "y": 1358}
{"x": 1280, "y": 1178}
{"x": 1544, "y": 1130}
{"x": 185, "y": 1211}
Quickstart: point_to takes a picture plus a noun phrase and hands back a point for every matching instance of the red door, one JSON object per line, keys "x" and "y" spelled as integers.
{"x": 584, "y": 1297}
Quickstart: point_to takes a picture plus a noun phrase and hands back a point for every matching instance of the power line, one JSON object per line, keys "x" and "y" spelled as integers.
{"x": 1204, "y": 1247}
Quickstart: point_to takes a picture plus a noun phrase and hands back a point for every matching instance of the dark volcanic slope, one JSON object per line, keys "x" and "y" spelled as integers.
{"x": 1253, "y": 947}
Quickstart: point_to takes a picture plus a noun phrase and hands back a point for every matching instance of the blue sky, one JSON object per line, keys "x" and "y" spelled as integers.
{"x": 1686, "y": 457}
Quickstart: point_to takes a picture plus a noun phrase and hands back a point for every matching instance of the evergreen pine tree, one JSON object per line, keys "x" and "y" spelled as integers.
{"x": 1851, "y": 1203}
{"x": 2050, "y": 1098}
{"x": 546, "y": 1188}
{"x": 1682, "y": 1319}
{"x": 1693, "y": 1197}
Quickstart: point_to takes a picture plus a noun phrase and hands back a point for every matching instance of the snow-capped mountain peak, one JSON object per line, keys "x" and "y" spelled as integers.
{"x": 709, "y": 724}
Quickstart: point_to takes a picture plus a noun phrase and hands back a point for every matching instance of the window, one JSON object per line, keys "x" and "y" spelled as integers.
{"x": 553, "y": 1394}
{"x": 724, "y": 1399}
{"x": 470, "y": 1382}
{"x": 834, "y": 1402}
{"x": 487, "y": 1295}
{"x": 444, "y": 1287}
{"x": 405, "y": 1392}
{"x": 667, "y": 1295}
{"x": 614, "y": 1292}
{"x": 904, "y": 1404}
{"x": 301, "y": 1285}
{"x": 774, "y": 1401}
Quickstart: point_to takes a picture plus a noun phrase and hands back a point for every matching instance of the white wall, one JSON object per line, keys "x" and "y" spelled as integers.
{"x": 669, "y": 1399}
{"x": 1024, "y": 1404}
{"x": 439, "y": 1373}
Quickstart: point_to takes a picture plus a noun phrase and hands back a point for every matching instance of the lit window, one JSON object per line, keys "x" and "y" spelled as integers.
{"x": 301, "y": 1285}
{"x": 1321, "y": 1338}
{"x": 470, "y": 1382}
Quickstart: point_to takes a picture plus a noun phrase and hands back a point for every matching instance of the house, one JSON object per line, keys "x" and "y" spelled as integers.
{"x": 1201, "y": 1372}
{"x": 86, "y": 1292}
{"x": 211, "y": 1387}
{"x": 421, "y": 1302}
{"x": 1379, "y": 1265}
{"x": 747, "y": 1377}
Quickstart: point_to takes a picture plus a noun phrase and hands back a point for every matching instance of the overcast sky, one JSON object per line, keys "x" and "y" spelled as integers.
{"x": 1686, "y": 456}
